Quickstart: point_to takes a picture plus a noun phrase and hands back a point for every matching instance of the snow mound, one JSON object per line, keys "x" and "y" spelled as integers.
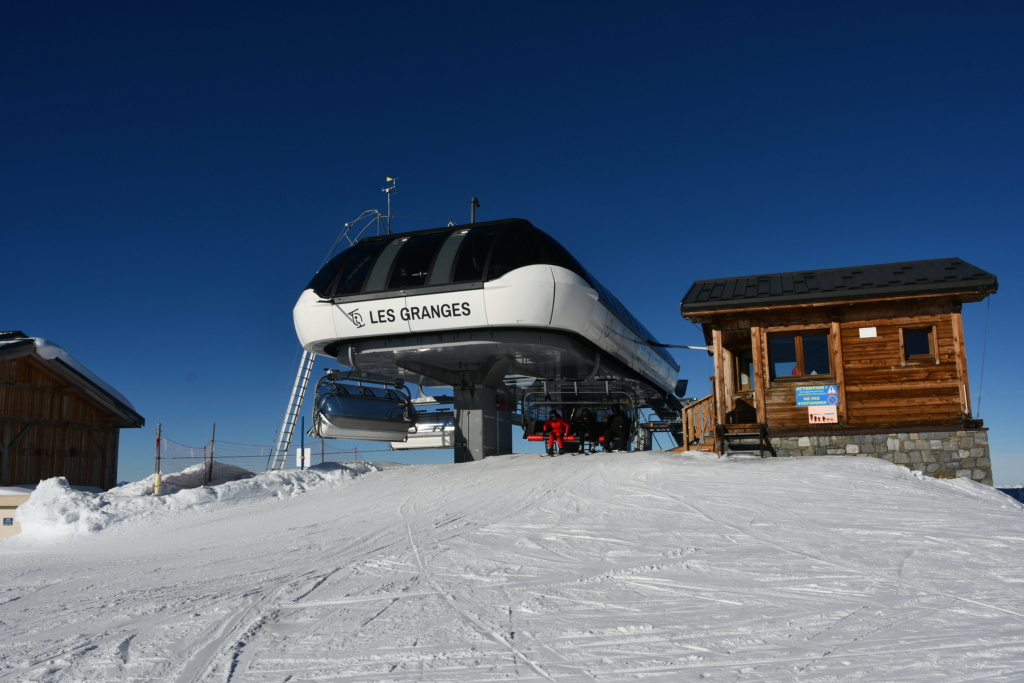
{"x": 56, "y": 509}
{"x": 189, "y": 478}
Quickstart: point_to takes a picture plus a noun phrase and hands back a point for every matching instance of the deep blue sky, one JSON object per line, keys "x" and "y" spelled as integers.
{"x": 174, "y": 173}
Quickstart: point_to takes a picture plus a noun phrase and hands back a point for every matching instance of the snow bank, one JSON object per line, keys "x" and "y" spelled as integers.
{"x": 55, "y": 509}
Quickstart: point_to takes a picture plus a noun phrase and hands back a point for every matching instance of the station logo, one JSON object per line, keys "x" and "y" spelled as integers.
{"x": 355, "y": 317}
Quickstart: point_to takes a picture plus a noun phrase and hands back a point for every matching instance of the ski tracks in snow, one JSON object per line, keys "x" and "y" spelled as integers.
{"x": 610, "y": 567}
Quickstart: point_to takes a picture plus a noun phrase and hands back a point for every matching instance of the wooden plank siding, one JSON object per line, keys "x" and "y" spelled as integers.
{"x": 882, "y": 388}
{"x": 878, "y": 387}
{"x": 49, "y": 428}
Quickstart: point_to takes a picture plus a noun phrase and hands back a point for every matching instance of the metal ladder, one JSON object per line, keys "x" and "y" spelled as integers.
{"x": 291, "y": 416}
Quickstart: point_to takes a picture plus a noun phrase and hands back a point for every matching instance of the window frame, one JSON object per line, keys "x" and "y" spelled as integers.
{"x": 907, "y": 358}
{"x": 798, "y": 342}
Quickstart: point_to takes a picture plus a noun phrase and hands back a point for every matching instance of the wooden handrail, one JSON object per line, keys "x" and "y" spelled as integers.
{"x": 699, "y": 423}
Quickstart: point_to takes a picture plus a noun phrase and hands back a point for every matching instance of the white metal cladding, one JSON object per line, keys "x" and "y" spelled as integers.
{"x": 536, "y": 297}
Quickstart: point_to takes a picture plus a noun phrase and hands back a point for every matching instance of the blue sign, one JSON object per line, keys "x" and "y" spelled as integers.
{"x": 818, "y": 395}
{"x": 8, "y": 521}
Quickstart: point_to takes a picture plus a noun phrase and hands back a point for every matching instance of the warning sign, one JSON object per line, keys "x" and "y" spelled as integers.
{"x": 818, "y": 395}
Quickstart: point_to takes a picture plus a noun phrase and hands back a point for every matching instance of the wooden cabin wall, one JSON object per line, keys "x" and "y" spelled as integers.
{"x": 85, "y": 457}
{"x": 62, "y": 432}
{"x": 878, "y": 388}
{"x": 882, "y": 389}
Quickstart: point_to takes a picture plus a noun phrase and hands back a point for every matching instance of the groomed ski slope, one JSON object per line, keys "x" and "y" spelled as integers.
{"x": 610, "y": 567}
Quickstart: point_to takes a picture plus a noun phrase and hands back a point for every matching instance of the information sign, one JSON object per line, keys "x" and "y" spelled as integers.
{"x": 818, "y": 395}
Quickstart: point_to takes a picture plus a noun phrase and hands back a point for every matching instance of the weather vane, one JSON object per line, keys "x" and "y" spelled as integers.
{"x": 387, "y": 191}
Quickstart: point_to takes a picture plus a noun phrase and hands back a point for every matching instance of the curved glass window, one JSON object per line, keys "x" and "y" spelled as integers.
{"x": 514, "y": 249}
{"x": 441, "y": 273}
{"x": 469, "y": 265}
{"x": 345, "y": 273}
{"x": 379, "y": 274}
{"x": 413, "y": 262}
{"x": 557, "y": 255}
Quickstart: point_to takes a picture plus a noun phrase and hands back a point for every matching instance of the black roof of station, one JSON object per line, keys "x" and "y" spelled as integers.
{"x": 909, "y": 278}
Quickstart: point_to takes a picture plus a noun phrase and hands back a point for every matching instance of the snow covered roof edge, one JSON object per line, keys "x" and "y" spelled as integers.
{"x": 49, "y": 351}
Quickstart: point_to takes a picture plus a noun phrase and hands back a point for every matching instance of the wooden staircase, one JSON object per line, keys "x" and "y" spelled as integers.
{"x": 733, "y": 438}
{"x": 700, "y": 432}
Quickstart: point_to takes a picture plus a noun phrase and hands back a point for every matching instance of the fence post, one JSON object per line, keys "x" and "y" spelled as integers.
{"x": 156, "y": 478}
{"x": 209, "y": 466}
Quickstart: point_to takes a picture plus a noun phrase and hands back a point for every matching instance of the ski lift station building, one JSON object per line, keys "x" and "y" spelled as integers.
{"x": 864, "y": 361}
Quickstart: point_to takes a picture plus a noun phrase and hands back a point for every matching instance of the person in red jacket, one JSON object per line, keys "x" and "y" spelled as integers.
{"x": 556, "y": 428}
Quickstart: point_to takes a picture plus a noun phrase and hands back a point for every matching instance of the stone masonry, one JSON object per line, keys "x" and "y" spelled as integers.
{"x": 944, "y": 455}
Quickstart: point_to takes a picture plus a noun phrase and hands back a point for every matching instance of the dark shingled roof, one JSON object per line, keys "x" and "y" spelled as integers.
{"x": 936, "y": 276}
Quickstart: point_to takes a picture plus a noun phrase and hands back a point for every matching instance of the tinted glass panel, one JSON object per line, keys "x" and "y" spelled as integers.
{"x": 379, "y": 275}
{"x": 782, "y": 351}
{"x": 917, "y": 343}
{"x": 355, "y": 271}
{"x": 441, "y": 273}
{"x": 816, "y": 360}
{"x": 413, "y": 263}
{"x": 556, "y": 255}
{"x": 345, "y": 273}
{"x": 469, "y": 266}
{"x": 515, "y": 249}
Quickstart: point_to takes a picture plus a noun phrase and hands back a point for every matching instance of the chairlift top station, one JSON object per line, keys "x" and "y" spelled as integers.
{"x": 495, "y": 310}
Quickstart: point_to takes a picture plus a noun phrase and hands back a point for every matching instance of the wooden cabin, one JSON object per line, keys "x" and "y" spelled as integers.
{"x": 845, "y": 361}
{"x": 56, "y": 418}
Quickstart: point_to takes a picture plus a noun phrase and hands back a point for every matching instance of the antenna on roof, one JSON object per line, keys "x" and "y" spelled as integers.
{"x": 474, "y": 203}
{"x": 388, "y": 191}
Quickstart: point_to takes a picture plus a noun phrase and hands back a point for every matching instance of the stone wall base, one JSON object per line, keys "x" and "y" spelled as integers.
{"x": 940, "y": 454}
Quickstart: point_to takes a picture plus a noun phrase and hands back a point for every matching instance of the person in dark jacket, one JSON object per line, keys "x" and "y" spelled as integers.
{"x": 585, "y": 429}
{"x": 616, "y": 431}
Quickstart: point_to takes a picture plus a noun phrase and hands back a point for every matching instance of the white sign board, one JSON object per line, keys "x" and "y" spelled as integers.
{"x": 822, "y": 415}
{"x": 302, "y": 457}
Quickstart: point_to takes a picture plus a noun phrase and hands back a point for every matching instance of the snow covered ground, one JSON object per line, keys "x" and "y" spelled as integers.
{"x": 609, "y": 567}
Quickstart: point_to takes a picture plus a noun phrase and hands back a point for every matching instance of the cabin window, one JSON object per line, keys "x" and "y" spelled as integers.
{"x": 515, "y": 249}
{"x": 441, "y": 273}
{"x": 803, "y": 354}
{"x": 744, "y": 370}
{"x": 345, "y": 273}
{"x": 918, "y": 344}
{"x": 413, "y": 263}
{"x": 469, "y": 265}
{"x": 379, "y": 274}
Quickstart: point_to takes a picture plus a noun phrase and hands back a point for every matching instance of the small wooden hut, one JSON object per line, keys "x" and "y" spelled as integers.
{"x": 56, "y": 417}
{"x": 845, "y": 361}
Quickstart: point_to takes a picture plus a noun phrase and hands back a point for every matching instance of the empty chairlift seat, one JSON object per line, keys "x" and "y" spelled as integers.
{"x": 348, "y": 410}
